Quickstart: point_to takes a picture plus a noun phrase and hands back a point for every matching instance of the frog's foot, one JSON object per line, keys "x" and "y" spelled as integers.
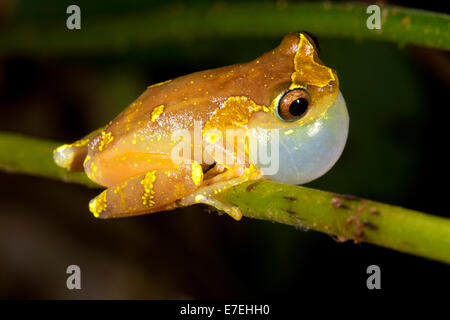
{"x": 212, "y": 191}
{"x": 71, "y": 156}
{"x": 220, "y": 205}
{"x": 156, "y": 190}
{"x": 214, "y": 171}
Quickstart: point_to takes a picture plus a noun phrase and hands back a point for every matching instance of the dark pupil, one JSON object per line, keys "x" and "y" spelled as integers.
{"x": 298, "y": 107}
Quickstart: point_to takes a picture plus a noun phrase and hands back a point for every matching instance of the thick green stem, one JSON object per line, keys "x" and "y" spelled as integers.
{"x": 177, "y": 24}
{"x": 345, "y": 217}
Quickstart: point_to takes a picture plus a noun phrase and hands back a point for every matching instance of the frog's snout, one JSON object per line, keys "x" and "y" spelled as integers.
{"x": 308, "y": 152}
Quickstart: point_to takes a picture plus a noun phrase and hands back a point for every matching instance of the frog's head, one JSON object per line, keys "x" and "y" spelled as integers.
{"x": 309, "y": 113}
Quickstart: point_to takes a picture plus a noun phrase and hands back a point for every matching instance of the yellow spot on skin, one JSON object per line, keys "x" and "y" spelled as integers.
{"x": 235, "y": 112}
{"x": 212, "y": 136}
{"x": 289, "y": 132}
{"x": 147, "y": 183}
{"x": 246, "y": 147}
{"x": 119, "y": 190}
{"x": 197, "y": 173}
{"x": 159, "y": 84}
{"x": 157, "y": 112}
{"x": 307, "y": 70}
{"x": 98, "y": 204}
{"x": 80, "y": 143}
{"x": 251, "y": 169}
{"x": 170, "y": 206}
{"x": 86, "y": 160}
{"x": 105, "y": 139}
{"x": 199, "y": 198}
{"x": 120, "y": 187}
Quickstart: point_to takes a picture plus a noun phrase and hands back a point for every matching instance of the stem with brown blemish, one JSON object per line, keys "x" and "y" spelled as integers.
{"x": 342, "y": 216}
{"x": 345, "y": 217}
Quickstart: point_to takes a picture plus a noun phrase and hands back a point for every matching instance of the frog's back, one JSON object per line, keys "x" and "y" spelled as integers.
{"x": 131, "y": 142}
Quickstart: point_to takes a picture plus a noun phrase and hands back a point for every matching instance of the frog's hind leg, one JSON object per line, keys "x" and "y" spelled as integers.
{"x": 71, "y": 156}
{"x": 156, "y": 190}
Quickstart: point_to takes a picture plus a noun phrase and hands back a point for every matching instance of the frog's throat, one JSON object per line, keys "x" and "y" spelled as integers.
{"x": 307, "y": 152}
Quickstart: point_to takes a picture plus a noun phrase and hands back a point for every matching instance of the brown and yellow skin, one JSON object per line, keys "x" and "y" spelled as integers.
{"x": 131, "y": 156}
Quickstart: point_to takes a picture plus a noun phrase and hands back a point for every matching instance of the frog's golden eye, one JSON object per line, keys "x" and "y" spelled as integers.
{"x": 293, "y": 104}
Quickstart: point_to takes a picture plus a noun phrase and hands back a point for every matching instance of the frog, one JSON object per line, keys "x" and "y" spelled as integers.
{"x": 288, "y": 91}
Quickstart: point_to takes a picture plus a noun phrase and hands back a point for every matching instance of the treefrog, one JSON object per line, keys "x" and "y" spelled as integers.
{"x": 287, "y": 91}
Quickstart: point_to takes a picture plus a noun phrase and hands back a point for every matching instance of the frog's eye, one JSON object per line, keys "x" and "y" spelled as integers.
{"x": 293, "y": 104}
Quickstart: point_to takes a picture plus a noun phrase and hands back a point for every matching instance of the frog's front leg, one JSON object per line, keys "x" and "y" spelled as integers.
{"x": 156, "y": 190}
{"x": 222, "y": 177}
{"x": 212, "y": 190}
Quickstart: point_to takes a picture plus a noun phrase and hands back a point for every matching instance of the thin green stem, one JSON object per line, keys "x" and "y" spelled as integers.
{"x": 178, "y": 24}
{"x": 342, "y": 216}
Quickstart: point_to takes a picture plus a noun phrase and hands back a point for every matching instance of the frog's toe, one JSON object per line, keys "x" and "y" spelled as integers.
{"x": 216, "y": 202}
{"x": 71, "y": 156}
{"x": 213, "y": 194}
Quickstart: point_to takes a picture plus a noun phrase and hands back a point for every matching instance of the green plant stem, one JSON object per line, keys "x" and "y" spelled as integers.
{"x": 178, "y": 24}
{"x": 27, "y": 155}
{"x": 346, "y": 217}
{"x": 342, "y": 216}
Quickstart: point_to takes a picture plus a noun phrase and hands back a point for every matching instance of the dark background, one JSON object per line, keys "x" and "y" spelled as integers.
{"x": 396, "y": 97}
